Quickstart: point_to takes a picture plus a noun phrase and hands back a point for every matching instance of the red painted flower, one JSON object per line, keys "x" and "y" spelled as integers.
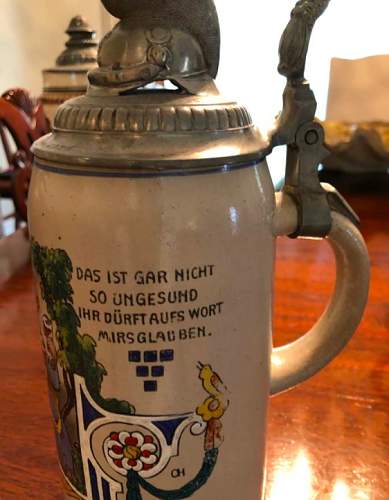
{"x": 131, "y": 451}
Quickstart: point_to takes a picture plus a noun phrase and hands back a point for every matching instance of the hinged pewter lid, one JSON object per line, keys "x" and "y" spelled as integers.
{"x": 123, "y": 121}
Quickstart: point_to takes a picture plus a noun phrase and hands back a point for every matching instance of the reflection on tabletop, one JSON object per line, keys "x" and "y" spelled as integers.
{"x": 296, "y": 479}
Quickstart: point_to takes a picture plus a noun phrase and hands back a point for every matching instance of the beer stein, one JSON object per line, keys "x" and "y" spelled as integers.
{"x": 153, "y": 221}
{"x": 68, "y": 78}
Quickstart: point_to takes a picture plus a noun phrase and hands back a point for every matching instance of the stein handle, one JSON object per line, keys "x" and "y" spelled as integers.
{"x": 300, "y": 360}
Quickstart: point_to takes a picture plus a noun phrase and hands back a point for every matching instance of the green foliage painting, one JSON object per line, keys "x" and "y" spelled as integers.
{"x": 77, "y": 352}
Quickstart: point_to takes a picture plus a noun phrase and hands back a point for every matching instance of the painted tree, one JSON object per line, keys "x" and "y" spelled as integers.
{"x": 77, "y": 352}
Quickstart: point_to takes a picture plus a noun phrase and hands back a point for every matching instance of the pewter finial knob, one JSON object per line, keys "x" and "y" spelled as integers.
{"x": 81, "y": 48}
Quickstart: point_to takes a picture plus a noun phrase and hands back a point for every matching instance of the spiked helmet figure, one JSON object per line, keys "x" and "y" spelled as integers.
{"x": 158, "y": 40}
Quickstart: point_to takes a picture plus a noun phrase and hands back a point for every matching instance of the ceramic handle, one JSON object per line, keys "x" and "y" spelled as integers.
{"x": 298, "y": 361}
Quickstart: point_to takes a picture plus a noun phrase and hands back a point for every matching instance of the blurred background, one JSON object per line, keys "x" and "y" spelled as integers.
{"x": 32, "y": 36}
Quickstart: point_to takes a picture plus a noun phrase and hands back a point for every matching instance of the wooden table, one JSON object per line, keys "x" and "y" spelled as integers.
{"x": 328, "y": 439}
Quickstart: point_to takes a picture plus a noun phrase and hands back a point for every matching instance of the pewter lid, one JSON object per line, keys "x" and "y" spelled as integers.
{"x": 122, "y": 123}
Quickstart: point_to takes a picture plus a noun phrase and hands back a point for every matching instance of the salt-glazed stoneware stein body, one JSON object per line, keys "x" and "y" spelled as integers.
{"x": 153, "y": 222}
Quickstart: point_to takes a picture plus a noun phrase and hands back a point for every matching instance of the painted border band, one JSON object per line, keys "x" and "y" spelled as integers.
{"x": 86, "y": 172}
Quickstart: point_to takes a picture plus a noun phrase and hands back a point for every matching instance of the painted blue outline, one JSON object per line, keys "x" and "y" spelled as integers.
{"x": 86, "y": 172}
{"x": 89, "y": 412}
{"x": 93, "y": 478}
{"x": 106, "y": 489}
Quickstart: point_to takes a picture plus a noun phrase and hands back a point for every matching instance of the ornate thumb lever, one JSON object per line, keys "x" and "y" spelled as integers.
{"x": 296, "y": 37}
{"x": 296, "y": 127}
{"x": 299, "y": 100}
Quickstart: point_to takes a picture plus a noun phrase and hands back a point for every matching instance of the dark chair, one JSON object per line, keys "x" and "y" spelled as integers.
{"x": 21, "y": 118}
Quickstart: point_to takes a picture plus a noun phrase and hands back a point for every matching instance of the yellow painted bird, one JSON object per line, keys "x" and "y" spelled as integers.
{"x": 217, "y": 403}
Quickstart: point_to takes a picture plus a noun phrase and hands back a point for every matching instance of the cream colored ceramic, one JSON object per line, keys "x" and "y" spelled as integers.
{"x": 172, "y": 282}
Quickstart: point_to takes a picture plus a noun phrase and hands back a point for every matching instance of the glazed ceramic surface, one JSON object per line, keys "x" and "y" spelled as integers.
{"x": 167, "y": 297}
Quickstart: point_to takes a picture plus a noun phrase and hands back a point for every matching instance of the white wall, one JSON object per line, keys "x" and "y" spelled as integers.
{"x": 251, "y": 33}
{"x": 251, "y": 30}
{"x": 32, "y": 36}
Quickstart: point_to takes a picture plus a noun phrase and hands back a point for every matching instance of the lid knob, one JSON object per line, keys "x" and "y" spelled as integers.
{"x": 81, "y": 48}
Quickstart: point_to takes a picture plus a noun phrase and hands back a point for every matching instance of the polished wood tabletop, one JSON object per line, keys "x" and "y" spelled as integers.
{"x": 327, "y": 439}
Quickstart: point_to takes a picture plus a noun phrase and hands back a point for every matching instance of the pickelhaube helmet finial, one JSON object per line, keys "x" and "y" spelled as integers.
{"x": 160, "y": 40}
